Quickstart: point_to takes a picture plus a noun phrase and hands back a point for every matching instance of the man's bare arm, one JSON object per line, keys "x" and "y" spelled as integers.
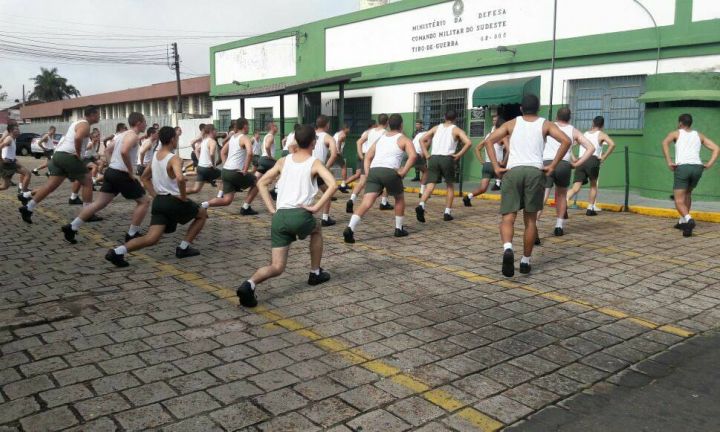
{"x": 321, "y": 171}
{"x": 710, "y": 145}
{"x": 587, "y": 145}
{"x": 409, "y": 148}
{"x": 128, "y": 142}
{"x": 463, "y": 138}
{"x": 82, "y": 131}
{"x": 551, "y": 129}
{"x": 265, "y": 182}
{"x": 425, "y": 142}
{"x": 496, "y": 136}
{"x": 332, "y": 146}
{"x": 244, "y": 141}
{"x": 359, "y": 144}
{"x": 176, "y": 164}
{"x": 146, "y": 180}
{"x": 611, "y": 145}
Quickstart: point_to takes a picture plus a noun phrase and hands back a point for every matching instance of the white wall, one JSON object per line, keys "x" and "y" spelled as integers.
{"x": 291, "y": 106}
{"x": 705, "y": 10}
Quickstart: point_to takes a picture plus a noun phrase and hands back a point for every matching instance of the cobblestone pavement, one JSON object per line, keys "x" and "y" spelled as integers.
{"x": 419, "y": 333}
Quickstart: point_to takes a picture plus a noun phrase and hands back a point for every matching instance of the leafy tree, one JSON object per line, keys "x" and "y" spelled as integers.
{"x": 49, "y": 86}
{"x": 3, "y": 95}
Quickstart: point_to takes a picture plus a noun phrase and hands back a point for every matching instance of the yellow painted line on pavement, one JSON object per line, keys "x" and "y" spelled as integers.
{"x": 354, "y": 356}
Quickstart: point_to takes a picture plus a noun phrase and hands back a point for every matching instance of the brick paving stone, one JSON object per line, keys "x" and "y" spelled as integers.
{"x": 479, "y": 385}
{"x": 160, "y": 355}
{"x": 281, "y": 401}
{"x": 122, "y": 364}
{"x": 143, "y": 418}
{"x": 196, "y": 362}
{"x": 43, "y": 366}
{"x": 77, "y": 374}
{"x": 502, "y": 408}
{"x": 415, "y": 410}
{"x": 50, "y": 350}
{"x": 27, "y": 387}
{"x": 329, "y": 411}
{"x": 274, "y": 380}
{"x": 18, "y": 408}
{"x": 319, "y": 388}
{"x": 582, "y": 373}
{"x": 103, "y": 424}
{"x": 191, "y": 404}
{"x": 53, "y": 420}
{"x": 162, "y": 371}
{"x": 508, "y": 375}
{"x": 292, "y": 422}
{"x": 379, "y": 420}
{"x": 233, "y": 371}
{"x": 100, "y": 406}
{"x": 85, "y": 357}
{"x": 8, "y": 376}
{"x": 230, "y": 392}
{"x": 531, "y": 396}
{"x": 193, "y": 382}
{"x": 366, "y": 397}
{"x": 270, "y": 361}
{"x": 149, "y": 393}
{"x": 113, "y": 383}
{"x": 64, "y": 395}
{"x": 238, "y": 416}
{"x": 194, "y": 424}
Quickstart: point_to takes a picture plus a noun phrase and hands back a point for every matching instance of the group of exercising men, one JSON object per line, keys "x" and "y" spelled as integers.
{"x": 528, "y": 154}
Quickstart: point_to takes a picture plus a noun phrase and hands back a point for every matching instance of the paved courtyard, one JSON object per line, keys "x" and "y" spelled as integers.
{"x": 419, "y": 333}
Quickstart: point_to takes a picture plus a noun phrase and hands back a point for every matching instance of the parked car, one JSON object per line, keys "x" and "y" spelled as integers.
{"x": 23, "y": 141}
{"x": 35, "y": 148}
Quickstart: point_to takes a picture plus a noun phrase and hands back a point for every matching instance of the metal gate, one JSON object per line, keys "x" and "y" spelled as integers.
{"x": 430, "y": 107}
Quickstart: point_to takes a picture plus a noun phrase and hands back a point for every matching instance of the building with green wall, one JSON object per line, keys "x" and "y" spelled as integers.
{"x": 639, "y": 63}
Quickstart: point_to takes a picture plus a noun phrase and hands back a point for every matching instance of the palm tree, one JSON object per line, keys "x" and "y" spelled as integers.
{"x": 49, "y": 86}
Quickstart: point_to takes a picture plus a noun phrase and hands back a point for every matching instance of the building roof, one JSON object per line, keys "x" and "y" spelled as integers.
{"x": 190, "y": 86}
{"x": 290, "y": 87}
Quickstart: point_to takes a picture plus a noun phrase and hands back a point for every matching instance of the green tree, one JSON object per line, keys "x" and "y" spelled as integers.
{"x": 49, "y": 86}
{"x": 3, "y": 95}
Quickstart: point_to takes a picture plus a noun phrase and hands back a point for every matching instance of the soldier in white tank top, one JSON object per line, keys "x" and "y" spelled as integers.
{"x": 118, "y": 179}
{"x": 325, "y": 151}
{"x": 687, "y": 167}
{"x": 444, "y": 157}
{"x": 66, "y": 163}
{"x": 340, "y": 138}
{"x": 366, "y": 141}
{"x": 293, "y": 219}
{"x": 589, "y": 171}
{"x": 386, "y": 171}
{"x": 9, "y": 165}
{"x": 488, "y": 172}
{"x": 206, "y": 170}
{"x": 170, "y": 205}
{"x": 524, "y": 178}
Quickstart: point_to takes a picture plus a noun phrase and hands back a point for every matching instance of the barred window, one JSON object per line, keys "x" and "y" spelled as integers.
{"x": 261, "y": 118}
{"x": 614, "y": 98}
{"x": 430, "y": 107}
{"x": 224, "y": 119}
{"x": 358, "y": 114}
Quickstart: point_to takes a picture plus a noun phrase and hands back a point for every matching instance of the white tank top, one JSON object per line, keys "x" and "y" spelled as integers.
{"x": 257, "y": 147}
{"x": 687, "y": 148}
{"x": 417, "y": 144}
{"x": 499, "y": 150}
{"x": 373, "y": 135}
{"x": 321, "y": 151}
{"x": 116, "y": 160}
{"x": 297, "y": 186}
{"x": 147, "y": 157}
{"x": 340, "y": 147}
{"x": 594, "y": 138}
{"x": 237, "y": 154}
{"x": 387, "y": 153}
{"x": 272, "y": 147}
{"x": 527, "y": 143}
{"x": 161, "y": 181}
{"x": 67, "y": 143}
{"x": 290, "y": 140}
{"x": 552, "y": 145}
{"x": 9, "y": 152}
{"x": 204, "y": 159}
{"x": 443, "y": 143}
{"x": 50, "y": 143}
{"x": 91, "y": 149}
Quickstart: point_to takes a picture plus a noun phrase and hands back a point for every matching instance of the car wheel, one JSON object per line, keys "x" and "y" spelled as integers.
{"x": 24, "y": 151}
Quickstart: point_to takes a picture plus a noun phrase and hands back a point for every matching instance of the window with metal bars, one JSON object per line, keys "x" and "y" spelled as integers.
{"x": 614, "y": 98}
{"x": 358, "y": 113}
{"x": 261, "y": 118}
{"x": 224, "y": 119}
{"x": 430, "y": 107}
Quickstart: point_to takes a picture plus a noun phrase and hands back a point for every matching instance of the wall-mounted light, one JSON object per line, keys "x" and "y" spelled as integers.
{"x": 238, "y": 83}
{"x": 503, "y": 48}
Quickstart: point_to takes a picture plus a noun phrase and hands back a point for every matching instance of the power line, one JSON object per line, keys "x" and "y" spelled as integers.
{"x": 77, "y": 51}
{"x": 14, "y": 36}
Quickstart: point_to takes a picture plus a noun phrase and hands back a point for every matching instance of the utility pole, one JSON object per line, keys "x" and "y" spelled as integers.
{"x": 176, "y": 66}
{"x": 552, "y": 61}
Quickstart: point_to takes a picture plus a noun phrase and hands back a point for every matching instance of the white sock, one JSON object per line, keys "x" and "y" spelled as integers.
{"x": 688, "y": 217}
{"x": 383, "y": 201}
{"x": 27, "y": 194}
{"x": 559, "y": 222}
{"x": 252, "y": 284}
{"x": 325, "y": 216}
{"x": 20, "y": 187}
{"x": 354, "y": 222}
{"x": 498, "y": 182}
{"x": 315, "y": 271}
{"x": 205, "y": 204}
{"x": 470, "y": 195}
{"x": 94, "y": 180}
{"x": 448, "y": 210}
{"x": 31, "y": 205}
{"x": 121, "y": 250}
{"x": 507, "y": 246}
{"x": 353, "y": 197}
{"x": 184, "y": 245}
{"x": 133, "y": 229}
{"x": 399, "y": 221}
{"x": 422, "y": 204}
{"x": 73, "y": 195}
{"x": 422, "y": 189}
{"x": 220, "y": 194}
{"x": 245, "y": 206}
{"x": 76, "y": 223}
{"x": 525, "y": 260}
{"x": 343, "y": 184}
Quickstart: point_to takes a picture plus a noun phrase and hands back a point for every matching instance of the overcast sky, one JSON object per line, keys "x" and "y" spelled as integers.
{"x": 114, "y": 26}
